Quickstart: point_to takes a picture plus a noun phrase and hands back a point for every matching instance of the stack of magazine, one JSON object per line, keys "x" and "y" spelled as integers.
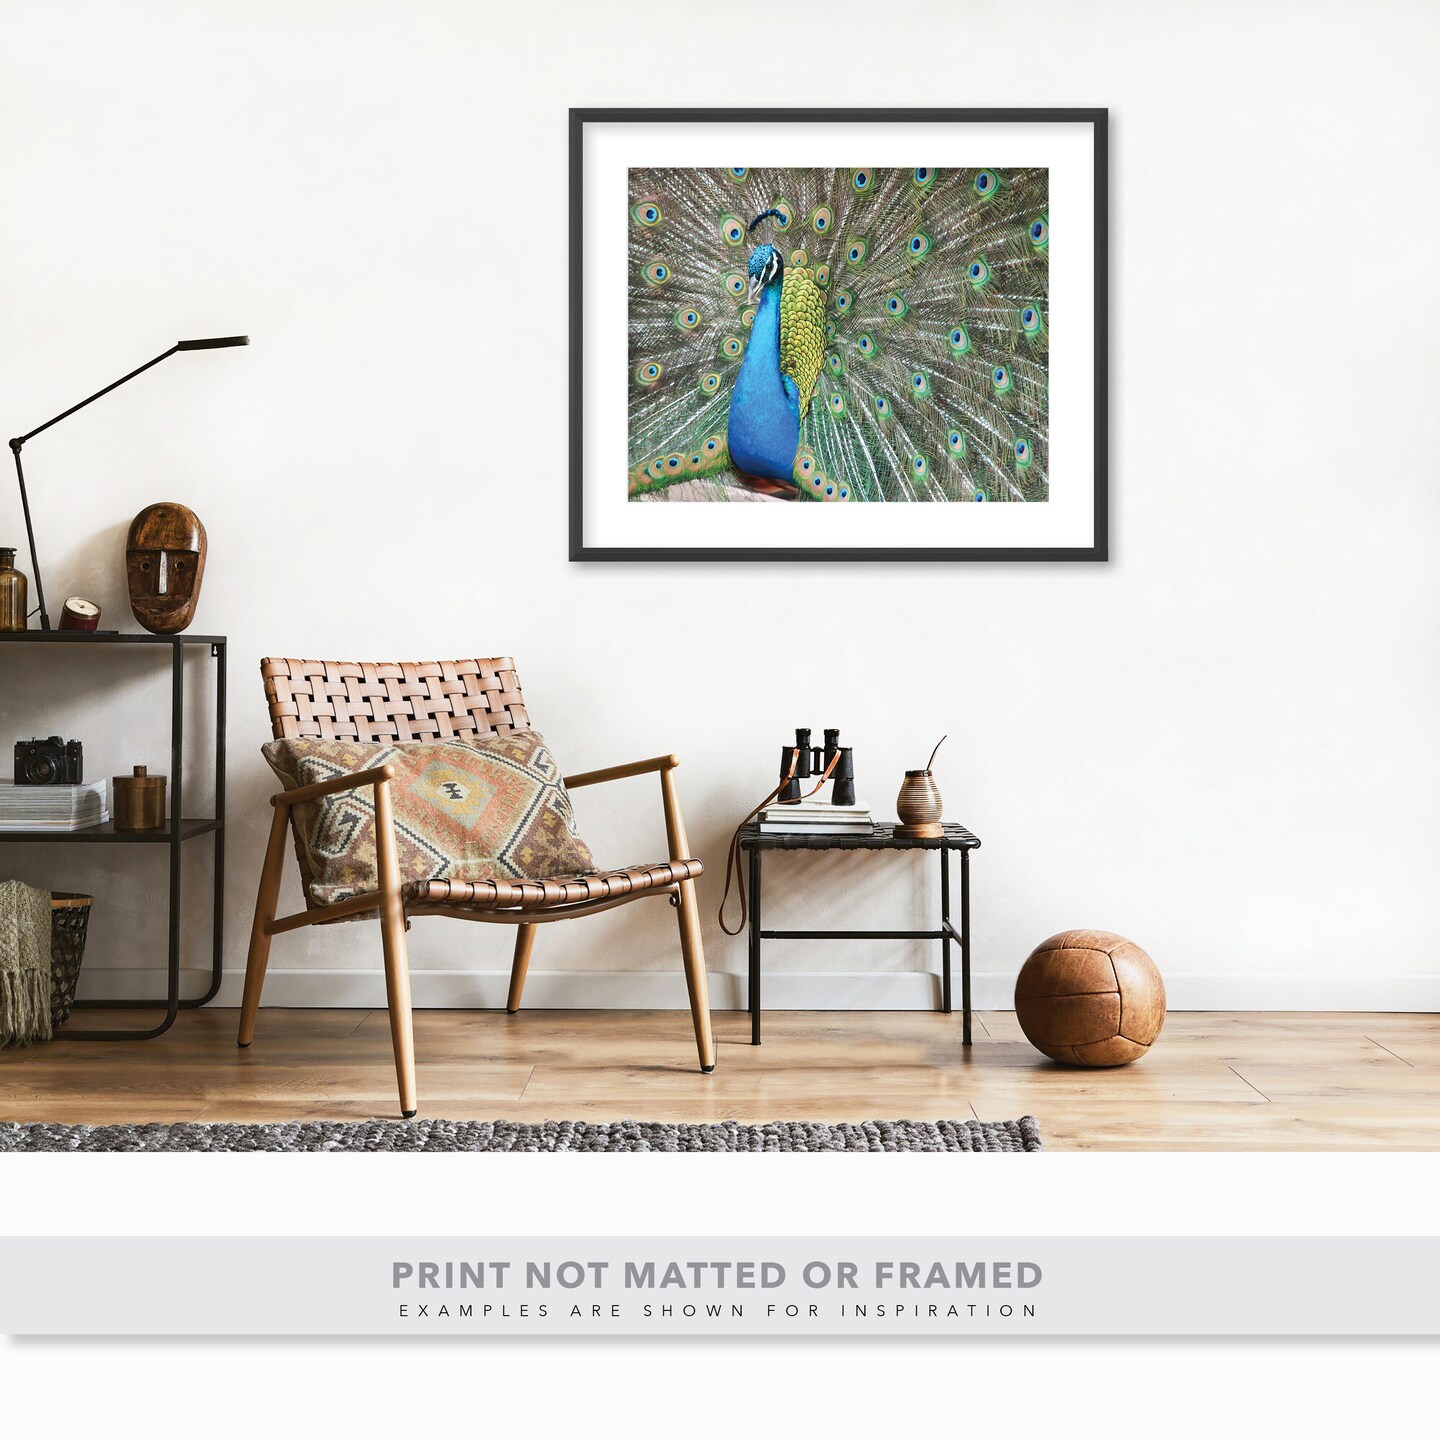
{"x": 816, "y": 817}
{"x": 52, "y": 807}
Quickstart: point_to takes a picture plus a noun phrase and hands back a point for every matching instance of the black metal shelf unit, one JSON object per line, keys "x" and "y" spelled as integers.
{"x": 175, "y": 833}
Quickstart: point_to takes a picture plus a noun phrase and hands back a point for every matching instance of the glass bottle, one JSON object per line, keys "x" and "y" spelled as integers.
{"x": 13, "y": 593}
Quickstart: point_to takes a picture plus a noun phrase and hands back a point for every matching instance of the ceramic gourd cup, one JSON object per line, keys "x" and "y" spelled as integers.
{"x": 918, "y": 804}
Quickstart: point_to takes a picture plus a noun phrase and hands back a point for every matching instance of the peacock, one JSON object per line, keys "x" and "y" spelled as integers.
{"x": 839, "y": 335}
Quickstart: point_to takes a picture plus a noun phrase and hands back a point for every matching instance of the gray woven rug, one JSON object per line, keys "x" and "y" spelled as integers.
{"x": 394, "y": 1136}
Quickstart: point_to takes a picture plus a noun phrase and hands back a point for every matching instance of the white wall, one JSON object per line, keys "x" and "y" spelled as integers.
{"x": 1220, "y": 743}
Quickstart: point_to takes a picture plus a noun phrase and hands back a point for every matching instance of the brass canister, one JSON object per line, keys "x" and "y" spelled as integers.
{"x": 13, "y": 593}
{"x": 139, "y": 801}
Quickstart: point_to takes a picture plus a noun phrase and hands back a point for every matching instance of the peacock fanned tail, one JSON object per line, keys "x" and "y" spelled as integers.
{"x": 913, "y": 321}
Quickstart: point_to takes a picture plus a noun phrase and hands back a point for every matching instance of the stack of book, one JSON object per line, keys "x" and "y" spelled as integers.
{"x": 52, "y": 807}
{"x": 815, "y": 817}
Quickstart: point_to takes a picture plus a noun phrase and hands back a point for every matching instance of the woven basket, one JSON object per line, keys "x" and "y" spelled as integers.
{"x": 69, "y": 920}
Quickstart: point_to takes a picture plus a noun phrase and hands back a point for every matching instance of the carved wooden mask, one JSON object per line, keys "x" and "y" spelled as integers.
{"x": 165, "y": 562}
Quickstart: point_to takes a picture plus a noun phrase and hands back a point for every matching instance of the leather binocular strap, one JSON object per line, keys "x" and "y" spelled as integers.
{"x": 732, "y": 857}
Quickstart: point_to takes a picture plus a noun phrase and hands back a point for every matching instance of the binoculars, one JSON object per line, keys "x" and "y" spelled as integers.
{"x": 815, "y": 760}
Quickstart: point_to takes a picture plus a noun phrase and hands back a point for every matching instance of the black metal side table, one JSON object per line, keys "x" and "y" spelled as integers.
{"x": 882, "y": 837}
{"x": 177, "y": 830}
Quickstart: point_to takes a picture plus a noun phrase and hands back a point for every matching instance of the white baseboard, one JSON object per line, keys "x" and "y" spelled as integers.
{"x": 665, "y": 990}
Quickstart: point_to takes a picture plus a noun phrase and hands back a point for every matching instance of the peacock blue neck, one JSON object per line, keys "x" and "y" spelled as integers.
{"x": 764, "y": 428}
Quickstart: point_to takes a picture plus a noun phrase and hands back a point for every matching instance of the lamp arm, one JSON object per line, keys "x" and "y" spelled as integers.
{"x": 30, "y": 535}
{"x": 65, "y": 414}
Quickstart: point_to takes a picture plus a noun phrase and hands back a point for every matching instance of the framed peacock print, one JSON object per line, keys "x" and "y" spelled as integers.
{"x": 809, "y": 358}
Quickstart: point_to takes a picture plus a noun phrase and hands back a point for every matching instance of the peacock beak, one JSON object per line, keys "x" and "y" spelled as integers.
{"x": 757, "y": 284}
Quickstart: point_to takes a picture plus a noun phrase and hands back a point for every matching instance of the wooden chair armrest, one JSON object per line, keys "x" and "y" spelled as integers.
{"x": 360, "y": 778}
{"x": 661, "y": 763}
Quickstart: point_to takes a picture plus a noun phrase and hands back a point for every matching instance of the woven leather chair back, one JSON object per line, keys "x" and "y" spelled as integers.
{"x": 383, "y": 700}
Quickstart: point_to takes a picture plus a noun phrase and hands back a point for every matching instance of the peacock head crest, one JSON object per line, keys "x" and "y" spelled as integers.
{"x": 766, "y": 266}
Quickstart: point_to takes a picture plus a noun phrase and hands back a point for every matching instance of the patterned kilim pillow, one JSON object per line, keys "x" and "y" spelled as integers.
{"x": 491, "y": 807}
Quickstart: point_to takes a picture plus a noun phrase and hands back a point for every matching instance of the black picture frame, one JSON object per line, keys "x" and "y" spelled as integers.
{"x": 1098, "y": 118}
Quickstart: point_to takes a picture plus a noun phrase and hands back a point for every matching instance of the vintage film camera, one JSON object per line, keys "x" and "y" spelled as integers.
{"x": 813, "y": 761}
{"x": 48, "y": 762}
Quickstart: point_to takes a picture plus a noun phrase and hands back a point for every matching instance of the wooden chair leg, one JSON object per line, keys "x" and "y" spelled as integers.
{"x": 266, "y": 900}
{"x": 695, "y": 979}
{"x": 524, "y": 943}
{"x": 689, "y": 912}
{"x": 397, "y": 955}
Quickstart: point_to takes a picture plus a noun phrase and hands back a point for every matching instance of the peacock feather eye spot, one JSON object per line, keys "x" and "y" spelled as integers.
{"x": 646, "y": 213}
{"x": 829, "y": 489}
{"x": 748, "y": 318}
{"x": 865, "y": 344}
{"x": 732, "y": 229}
{"x": 986, "y": 184}
{"x": 731, "y": 346}
{"x": 821, "y": 219}
{"x": 822, "y": 275}
{"x": 657, "y": 273}
{"x": 978, "y": 273}
{"x": 897, "y": 307}
{"x": 656, "y": 469}
{"x": 738, "y": 172}
{"x": 1040, "y": 232}
{"x": 920, "y": 383}
{"x": 837, "y": 404}
{"x": 1022, "y": 452}
{"x": 835, "y": 364}
{"x": 924, "y": 176}
{"x": 712, "y": 444}
{"x": 1032, "y": 321}
{"x": 674, "y": 462}
{"x": 649, "y": 372}
{"x": 844, "y": 494}
{"x": 1001, "y": 379}
{"x": 920, "y": 465}
{"x": 979, "y": 494}
{"x": 799, "y": 259}
{"x": 842, "y": 301}
{"x": 861, "y": 179}
{"x": 710, "y": 383}
{"x": 959, "y": 340}
{"x": 882, "y": 407}
{"x": 735, "y": 283}
{"x": 687, "y": 319}
{"x": 956, "y": 442}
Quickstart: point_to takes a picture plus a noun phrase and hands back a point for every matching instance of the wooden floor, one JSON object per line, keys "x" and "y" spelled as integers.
{"x": 1215, "y": 1081}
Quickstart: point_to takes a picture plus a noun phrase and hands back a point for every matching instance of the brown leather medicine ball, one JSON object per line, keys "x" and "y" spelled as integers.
{"x": 1087, "y": 997}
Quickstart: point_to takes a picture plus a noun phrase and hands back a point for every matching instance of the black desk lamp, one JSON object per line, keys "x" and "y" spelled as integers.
{"x": 218, "y": 343}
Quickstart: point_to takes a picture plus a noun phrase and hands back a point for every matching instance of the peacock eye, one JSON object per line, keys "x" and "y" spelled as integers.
{"x": 985, "y": 183}
{"x": 920, "y": 465}
{"x": 649, "y": 373}
{"x": 920, "y": 383}
{"x": 959, "y": 340}
{"x": 861, "y": 179}
{"x": 979, "y": 273}
{"x": 857, "y": 252}
{"x": 687, "y": 319}
{"x": 1000, "y": 378}
{"x": 732, "y": 230}
{"x": 979, "y": 495}
{"x": 924, "y": 175}
{"x": 821, "y": 219}
{"x": 842, "y": 301}
{"x": 956, "y": 441}
{"x": 897, "y": 307}
{"x": 710, "y": 383}
{"x": 919, "y": 245}
{"x": 731, "y": 346}
{"x": 735, "y": 283}
{"x": 646, "y": 213}
{"x": 865, "y": 344}
{"x": 657, "y": 272}
{"x": 1022, "y": 452}
{"x": 738, "y": 172}
{"x": 1039, "y": 232}
{"x": 837, "y": 404}
{"x": 882, "y": 407}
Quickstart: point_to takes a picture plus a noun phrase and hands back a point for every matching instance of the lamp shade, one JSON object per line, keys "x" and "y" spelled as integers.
{"x": 218, "y": 342}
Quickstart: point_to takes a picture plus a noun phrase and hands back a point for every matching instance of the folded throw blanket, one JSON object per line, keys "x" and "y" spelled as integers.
{"x": 24, "y": 964}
